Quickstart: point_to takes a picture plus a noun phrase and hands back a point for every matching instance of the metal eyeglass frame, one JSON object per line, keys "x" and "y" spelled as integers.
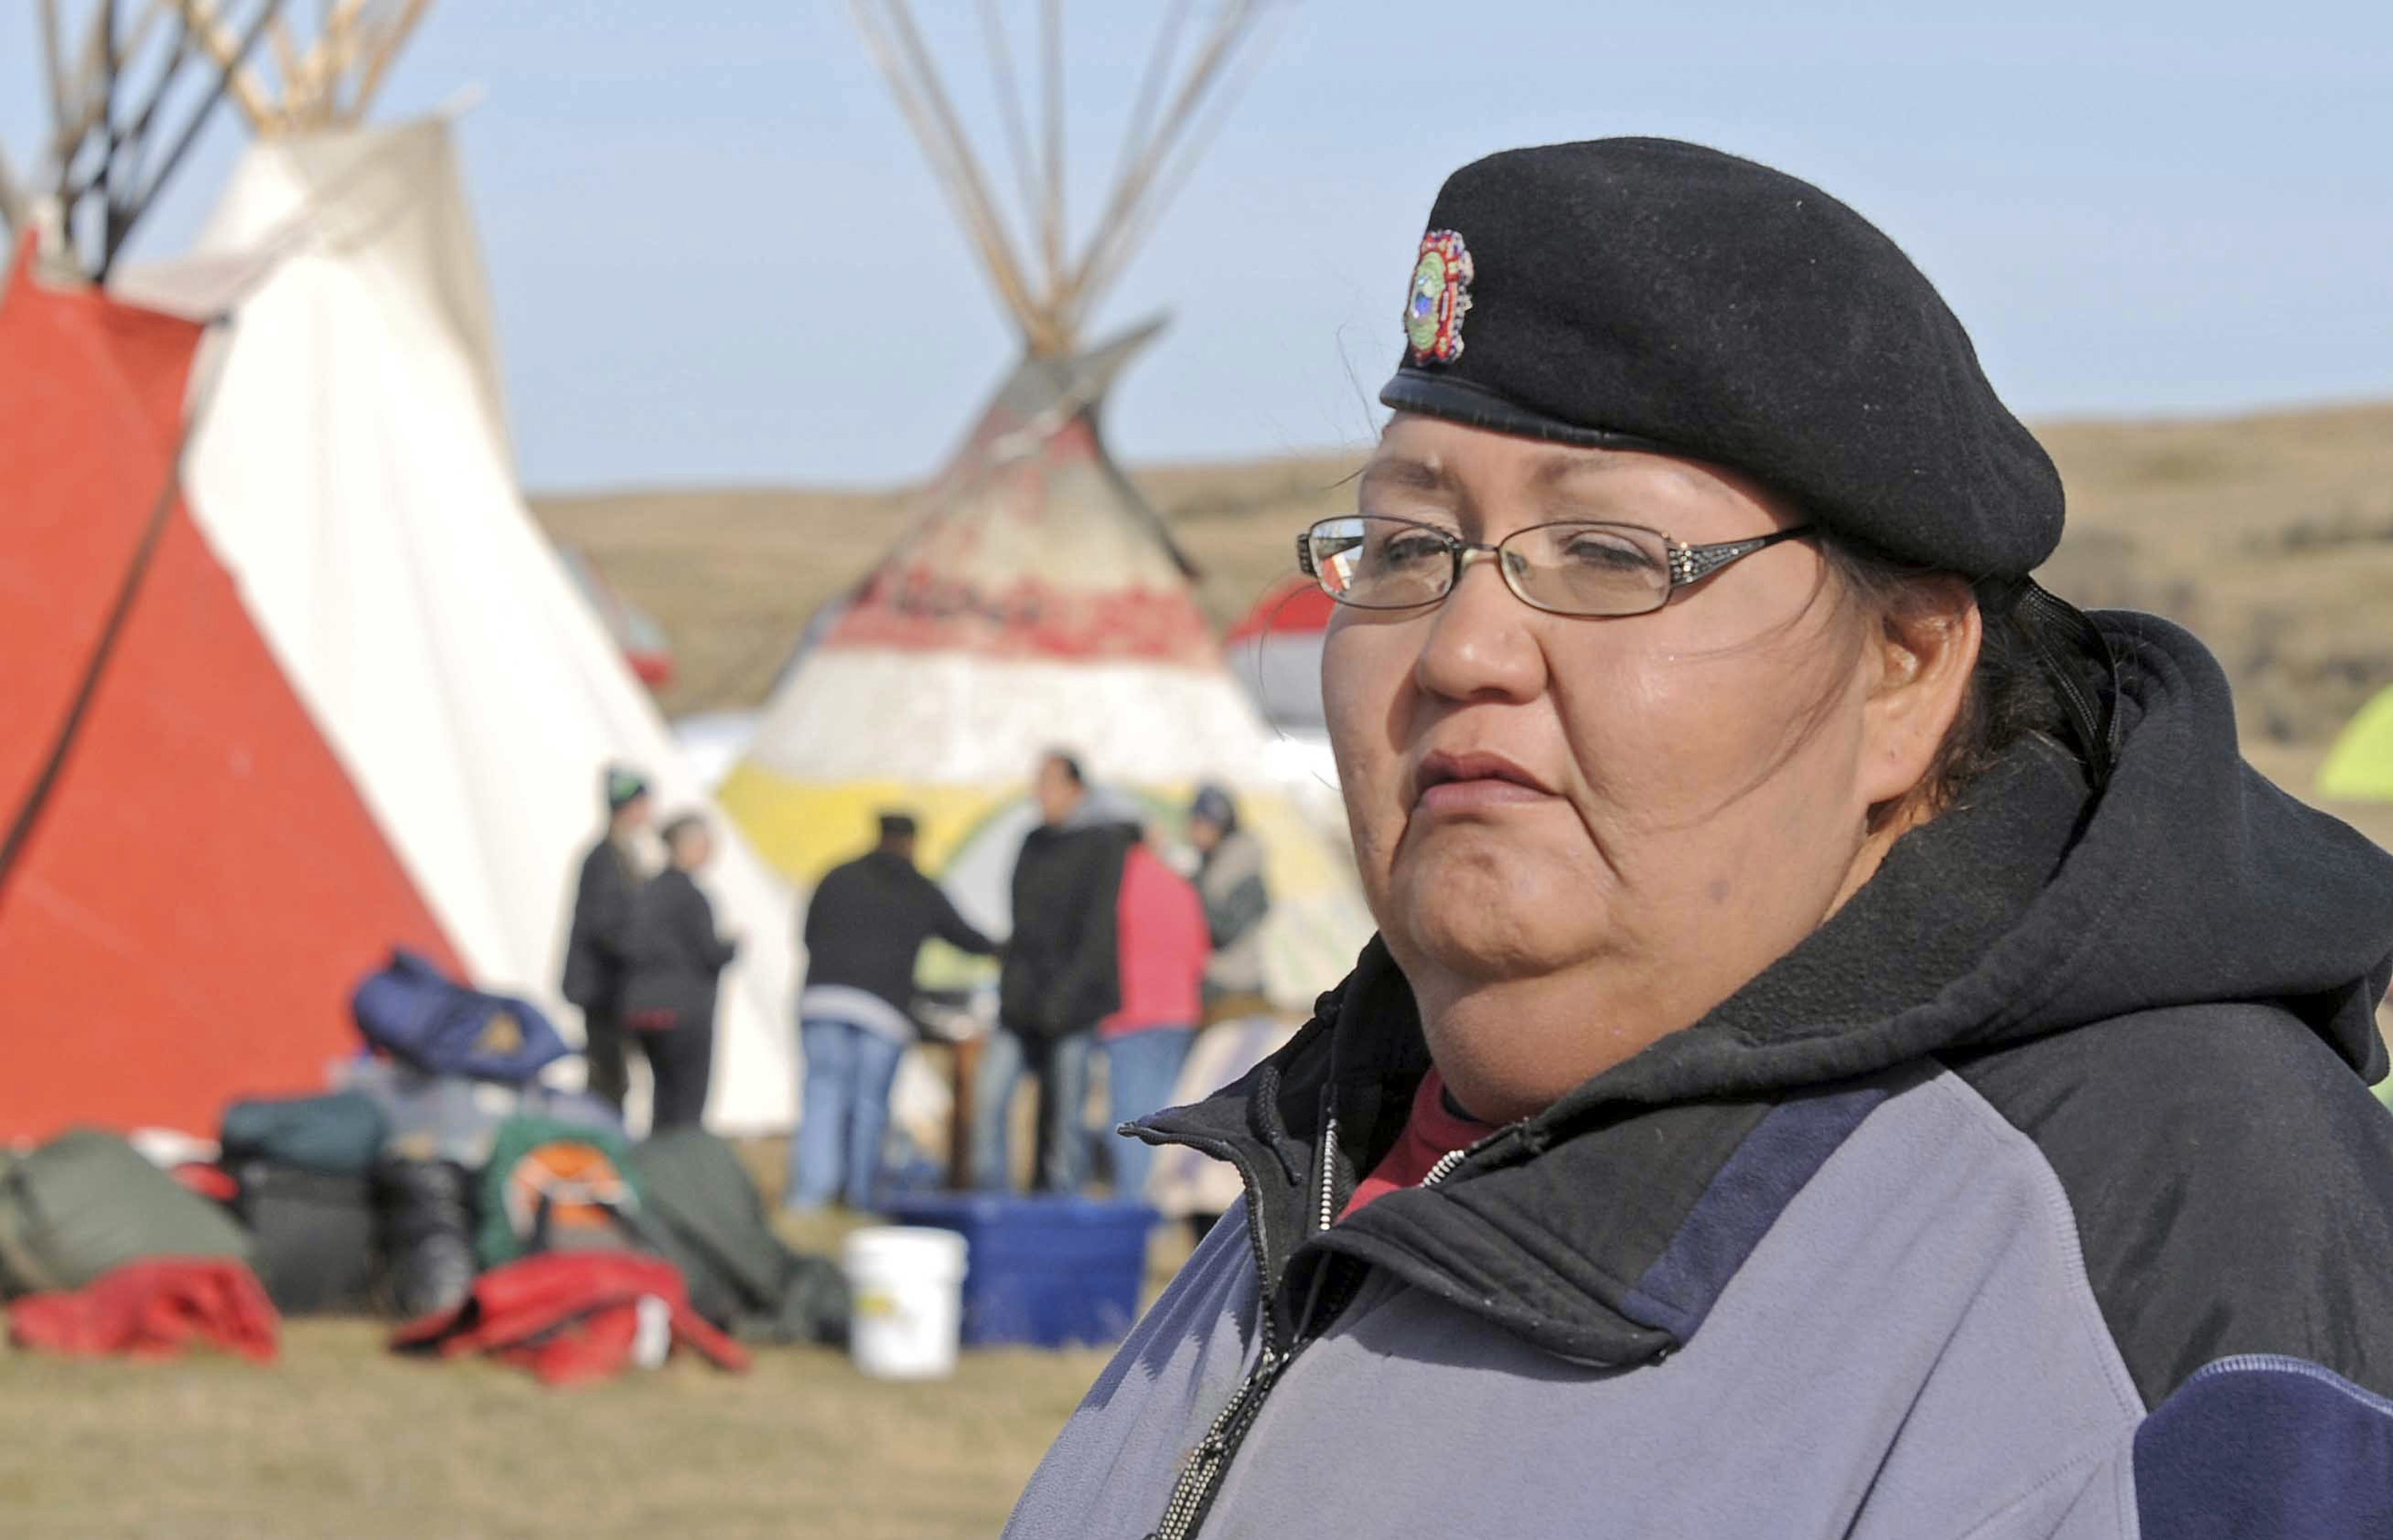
{"x": 1689, "y": 564}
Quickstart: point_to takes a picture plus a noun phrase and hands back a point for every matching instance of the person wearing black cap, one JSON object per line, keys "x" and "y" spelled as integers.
{"x": 1850, "y": 1049}
{"x": 864, "y": 928}
{"x": 597, "y": 942}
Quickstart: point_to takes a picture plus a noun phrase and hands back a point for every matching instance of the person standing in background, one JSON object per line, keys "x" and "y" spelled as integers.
{"x": 677, "y": 961}
{"x": 1230, "y": 879}
{"x": 1061, "y": 976}
{"x": 867, "y": 920}
{"x": 598, "y": 943}
{"x": 1164, "y": 949}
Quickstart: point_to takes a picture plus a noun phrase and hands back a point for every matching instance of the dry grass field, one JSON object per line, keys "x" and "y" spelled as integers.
{"x": 342, "y": 1440}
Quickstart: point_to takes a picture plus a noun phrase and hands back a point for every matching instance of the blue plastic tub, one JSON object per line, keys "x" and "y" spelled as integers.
{"x": 1049, "y": 1271}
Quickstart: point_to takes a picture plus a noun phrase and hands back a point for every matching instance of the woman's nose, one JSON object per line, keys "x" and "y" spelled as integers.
{"x": 1480, "y": 643}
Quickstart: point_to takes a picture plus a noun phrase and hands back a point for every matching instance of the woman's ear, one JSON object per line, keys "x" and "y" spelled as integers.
{"x": 1926, "y": 651}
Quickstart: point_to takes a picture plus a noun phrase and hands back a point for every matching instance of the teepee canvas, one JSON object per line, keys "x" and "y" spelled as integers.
{"x": 352, "y": 466}
{"x": 191, "y": 885}
{"x": 1034, "y": 600}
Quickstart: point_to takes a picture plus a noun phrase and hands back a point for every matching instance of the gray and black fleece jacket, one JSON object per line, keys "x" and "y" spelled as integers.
{"x": 2037, "y": 1194}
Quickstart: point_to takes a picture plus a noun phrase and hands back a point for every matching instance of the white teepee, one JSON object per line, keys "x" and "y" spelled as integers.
{"x": 1036, "y": 600}
{"x": 352, "y": 467}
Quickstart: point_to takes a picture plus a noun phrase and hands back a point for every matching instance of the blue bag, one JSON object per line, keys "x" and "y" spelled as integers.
{"x": 415, "y": 1013}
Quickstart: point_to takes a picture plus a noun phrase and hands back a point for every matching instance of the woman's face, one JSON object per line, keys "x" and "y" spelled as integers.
{"x": 1653, "y": 807}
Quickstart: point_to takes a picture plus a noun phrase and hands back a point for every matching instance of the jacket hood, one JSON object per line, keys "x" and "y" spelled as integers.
{"x": 1101, "y": 806}
{"x": 2031, "y": 908}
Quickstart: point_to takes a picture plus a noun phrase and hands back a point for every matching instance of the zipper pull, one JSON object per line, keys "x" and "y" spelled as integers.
{"x": 1444, "y": 1168}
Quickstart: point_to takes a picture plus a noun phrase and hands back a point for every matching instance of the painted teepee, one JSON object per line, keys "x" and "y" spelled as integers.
{"x": 191, "y": 884}
{"x": 354, "y": 469}
{"x": 1034, "y": 600}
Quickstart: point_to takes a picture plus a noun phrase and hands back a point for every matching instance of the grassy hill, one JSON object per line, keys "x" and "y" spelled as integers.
{"x": 2269, "y": 535}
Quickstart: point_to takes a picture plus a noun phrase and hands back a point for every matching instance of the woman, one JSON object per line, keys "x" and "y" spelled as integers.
{"x": 678, "y": 961}
{"x": 1230, "y": 877}
{"x": 1848, "y": 1053}
{"x": 1163, "y": 948}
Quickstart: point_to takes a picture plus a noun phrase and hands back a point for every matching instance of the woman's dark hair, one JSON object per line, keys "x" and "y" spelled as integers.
{"x": 2011, "y": 694}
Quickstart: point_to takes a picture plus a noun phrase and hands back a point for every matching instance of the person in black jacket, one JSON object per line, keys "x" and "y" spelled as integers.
{"x": 1062, "y": 975}
{"x": 867, "y": 920}
{"x": 597, "y": 944}
{"x": 677, "y": 959}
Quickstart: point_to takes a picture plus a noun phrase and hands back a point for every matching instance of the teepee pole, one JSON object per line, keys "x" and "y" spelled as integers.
{"x": 54, "y": 73}
{"x": 138, "y": 201}
{"x": 88, "y": 102}
{"x": 1008, "y": 86}
{"x": 287, "y": 56}
{"x": 1122, "y": 209}
{"x": 14, "y": 211}
{"x": 238, "y": 79}
{"x": 1150, "y": 84}
{"x": 1050, "y": 220}
{"x": 382, "y": 53}
{"x": 915, "y": 84}
{"x": 1133, "y": 236}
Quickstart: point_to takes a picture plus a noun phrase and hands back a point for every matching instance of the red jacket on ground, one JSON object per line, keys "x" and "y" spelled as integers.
{"x": 154, "y": 1308}
{"x": 1160, "y": 922}
{"x": 567, "y": 1316}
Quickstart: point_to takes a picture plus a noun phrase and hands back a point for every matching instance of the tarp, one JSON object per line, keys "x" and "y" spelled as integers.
{"x": 192, "y": 885}
{"x": 353, "y": 468}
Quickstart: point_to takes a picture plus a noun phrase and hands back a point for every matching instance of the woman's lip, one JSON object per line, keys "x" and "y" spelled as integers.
{"x": 1480, "y": 794}
{"x": 1446, "y": 767}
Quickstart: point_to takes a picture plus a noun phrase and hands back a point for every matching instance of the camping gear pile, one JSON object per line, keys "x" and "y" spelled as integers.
{"x": 441, "y": 1184}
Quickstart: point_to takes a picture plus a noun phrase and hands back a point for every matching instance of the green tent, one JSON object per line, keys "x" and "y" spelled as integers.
{"x": 2360, "y": 766}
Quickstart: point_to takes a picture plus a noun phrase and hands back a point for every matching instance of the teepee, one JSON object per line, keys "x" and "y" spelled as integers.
{"x": 191, "y": 884}
{"x": 1034, "y": 600}
{"x": 353, "y": 467}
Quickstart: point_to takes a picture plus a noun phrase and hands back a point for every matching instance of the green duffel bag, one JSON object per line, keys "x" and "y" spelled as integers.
{"x": 87, "y": 1203}
{"x": 740, "y": 1276}
{"x": 337, "y": 1135}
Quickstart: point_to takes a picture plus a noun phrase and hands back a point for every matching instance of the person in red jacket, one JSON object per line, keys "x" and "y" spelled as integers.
{"x": 1164, "y": 946}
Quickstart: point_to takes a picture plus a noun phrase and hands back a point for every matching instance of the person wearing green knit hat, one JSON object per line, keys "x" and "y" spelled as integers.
{"x": 597, "y": 945}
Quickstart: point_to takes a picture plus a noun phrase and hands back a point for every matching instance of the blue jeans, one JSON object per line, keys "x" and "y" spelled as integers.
{"x": 845, "y": 1115}
{"x": 1062, "y": 1066}
{"x": 1141, "y": 1069}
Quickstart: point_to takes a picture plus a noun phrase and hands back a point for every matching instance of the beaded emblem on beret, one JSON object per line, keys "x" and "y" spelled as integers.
{"x": 1439, "y": 298}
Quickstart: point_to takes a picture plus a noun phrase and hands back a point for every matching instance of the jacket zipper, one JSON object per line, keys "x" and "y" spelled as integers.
{"x": 1202, "y": 1473}
{"x": 1444, "y": 1167}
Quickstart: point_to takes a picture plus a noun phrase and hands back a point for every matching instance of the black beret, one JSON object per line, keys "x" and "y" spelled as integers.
{"x": 1648, "y": 293}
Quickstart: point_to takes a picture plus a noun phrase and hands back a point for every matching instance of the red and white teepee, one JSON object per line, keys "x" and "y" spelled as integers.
{"x": 1035, "y": 600}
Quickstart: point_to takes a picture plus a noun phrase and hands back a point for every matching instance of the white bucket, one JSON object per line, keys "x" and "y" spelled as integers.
{"x": 908, "y": 1288}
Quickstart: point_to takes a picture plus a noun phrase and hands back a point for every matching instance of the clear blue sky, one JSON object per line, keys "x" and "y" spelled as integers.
{"x": 719, "y": 257}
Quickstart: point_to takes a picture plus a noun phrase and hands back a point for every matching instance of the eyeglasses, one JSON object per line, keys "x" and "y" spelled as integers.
{"x": 1373, "y": 562}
